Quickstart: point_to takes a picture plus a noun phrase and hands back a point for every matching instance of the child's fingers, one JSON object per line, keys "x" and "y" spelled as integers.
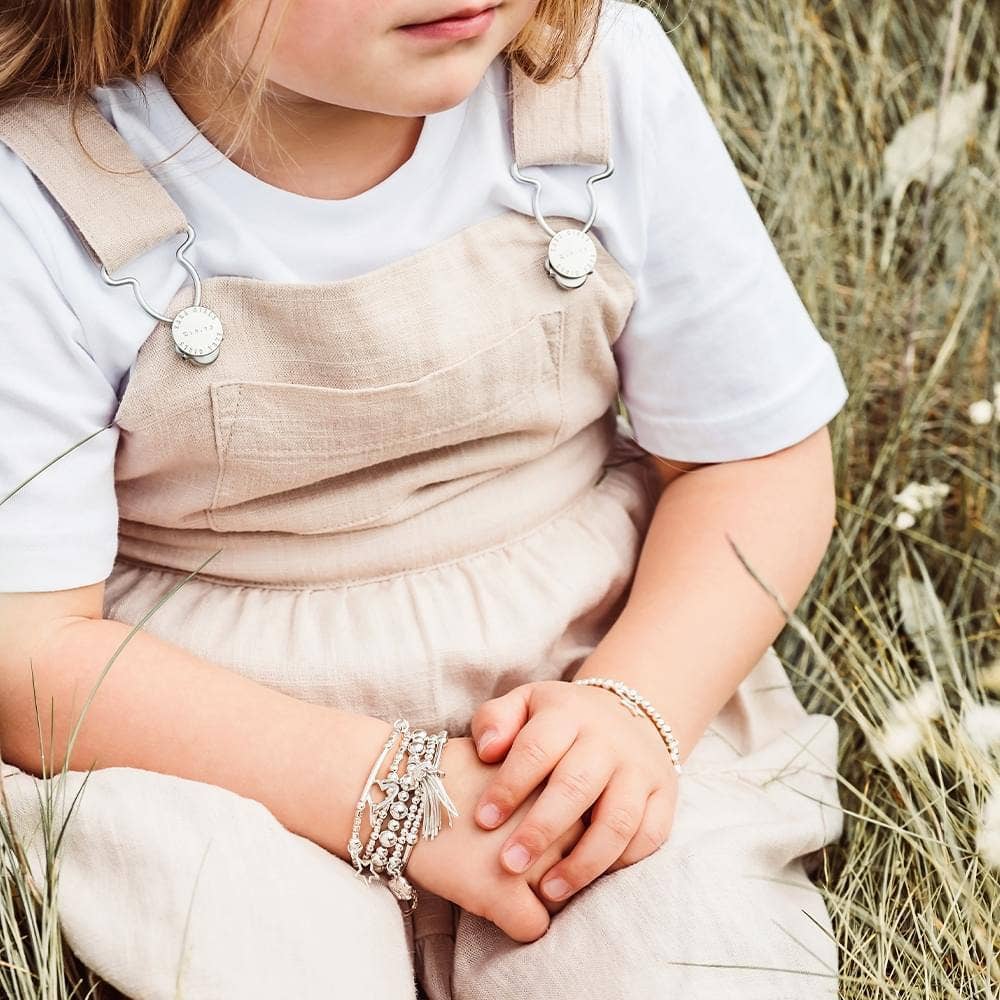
{"x": 656, "y": 826}
{"x": 536, "y": 750}
{"x": 547, "y": 862}
{"x": 654, "y": 831}
{"x": 520, "y": 914}
{"x": 578, "y": 779}
{"x": 497, "y": 721}
{"x": 616, "y": 818}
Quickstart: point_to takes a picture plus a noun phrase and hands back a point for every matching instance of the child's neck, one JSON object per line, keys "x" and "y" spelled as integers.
{"x": 318, "y": 150}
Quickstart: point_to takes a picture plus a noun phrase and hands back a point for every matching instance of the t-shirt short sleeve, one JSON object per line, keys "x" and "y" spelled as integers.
{"x": 60, "y": 529}
{"x": 720, "y": 359}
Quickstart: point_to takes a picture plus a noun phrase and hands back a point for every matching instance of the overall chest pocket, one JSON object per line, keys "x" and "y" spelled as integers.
{"x": 308, "y": 458}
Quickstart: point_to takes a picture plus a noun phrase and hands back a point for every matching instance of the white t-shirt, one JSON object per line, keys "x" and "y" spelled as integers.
{"x": 719, "y": 360}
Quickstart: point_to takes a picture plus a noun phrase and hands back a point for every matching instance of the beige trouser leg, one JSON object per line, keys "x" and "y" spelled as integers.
{"x": 185, "y": 883}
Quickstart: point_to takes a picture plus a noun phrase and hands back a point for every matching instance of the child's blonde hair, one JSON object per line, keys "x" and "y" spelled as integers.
{"x": 63, "y": 49}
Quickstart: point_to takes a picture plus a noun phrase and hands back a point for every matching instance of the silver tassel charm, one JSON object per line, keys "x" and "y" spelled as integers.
{"x": 424, "y": 793}
{"x": 435, "y": 795}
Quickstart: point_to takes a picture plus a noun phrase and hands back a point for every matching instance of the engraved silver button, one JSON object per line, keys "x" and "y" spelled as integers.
{"x": 572, "y": 256}
{"x": 197, "y": 333}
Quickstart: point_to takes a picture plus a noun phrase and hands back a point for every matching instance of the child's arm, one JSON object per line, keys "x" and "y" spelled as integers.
{"x": 696, "y": 622}
{"x": 161, "y": 708}
{"x": 694, "y": 625}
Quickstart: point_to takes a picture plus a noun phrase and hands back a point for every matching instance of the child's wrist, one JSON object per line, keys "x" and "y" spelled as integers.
{"x": 334, "y": 780}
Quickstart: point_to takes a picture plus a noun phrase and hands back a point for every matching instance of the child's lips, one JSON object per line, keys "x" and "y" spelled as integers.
{"x": 453, "y": 27}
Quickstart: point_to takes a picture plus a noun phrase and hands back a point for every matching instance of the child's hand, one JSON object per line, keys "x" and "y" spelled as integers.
{"x": 593, "y": 747}
{"x": 461, "y": 862}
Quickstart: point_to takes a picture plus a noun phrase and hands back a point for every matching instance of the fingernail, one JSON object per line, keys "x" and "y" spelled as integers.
{"x": 517, "y": 857}
{"x": 489, "y": 815}
{"x": 485, "y": 739}
{"x": 555, "y": 888}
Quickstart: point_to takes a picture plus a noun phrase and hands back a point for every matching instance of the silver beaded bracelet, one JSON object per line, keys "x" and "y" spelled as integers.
{"x": 417, "y": 795}
{"x": 636, "y": 704}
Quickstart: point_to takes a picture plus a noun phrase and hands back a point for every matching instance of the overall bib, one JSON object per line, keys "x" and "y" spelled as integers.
{"x": 422, "y": 497}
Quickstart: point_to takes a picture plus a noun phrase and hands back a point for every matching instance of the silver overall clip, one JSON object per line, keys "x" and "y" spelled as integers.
{"x": 196, "y": 329}
{"x": 572, "y": 253}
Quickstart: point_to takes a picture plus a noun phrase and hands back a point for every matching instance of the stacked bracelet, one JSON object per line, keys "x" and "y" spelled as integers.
{"x": 417, "y": 795}
{"x": 636, "y": 704}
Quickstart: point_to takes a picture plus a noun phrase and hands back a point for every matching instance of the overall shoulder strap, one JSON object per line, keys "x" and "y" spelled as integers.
{"x": 563, "y": 121}
{"x": 121, "y": 211}
{"x": 116, "y": 205}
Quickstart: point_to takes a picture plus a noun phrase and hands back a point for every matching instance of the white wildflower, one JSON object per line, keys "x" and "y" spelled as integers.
{"x": 910, "y": 498}
{"x": 988, "y": 834}
{"x": 936, "y": 492}
{"x": 981, "y": 412}
{"x": 913, "y": 154}
{"x": 904, "y": 520}
{"x": 918, "y": 497}
{"x": 901, "y": 739}
{"x": 980, "y": 724}
{"x": 907, "y": 725}
{"x": 925, "y": 702}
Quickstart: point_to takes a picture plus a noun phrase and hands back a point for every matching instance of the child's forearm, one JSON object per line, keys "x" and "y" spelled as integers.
{"x": 696, "y": 622}
{"x": 161, "y": 708}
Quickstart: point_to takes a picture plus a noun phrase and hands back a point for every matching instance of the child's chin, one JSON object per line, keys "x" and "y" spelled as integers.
{"x": 448, "y": 84}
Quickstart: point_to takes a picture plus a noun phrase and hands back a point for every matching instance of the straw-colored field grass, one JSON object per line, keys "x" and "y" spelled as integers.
{"x": 821, "y": 105}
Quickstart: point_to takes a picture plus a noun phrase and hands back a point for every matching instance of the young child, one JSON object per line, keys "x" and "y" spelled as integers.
{"x": 347, "y": 372}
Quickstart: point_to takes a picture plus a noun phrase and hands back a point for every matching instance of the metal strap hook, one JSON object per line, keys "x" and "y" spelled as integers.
{"x": 571, "y": 253}
{"x": 196, "y": 330}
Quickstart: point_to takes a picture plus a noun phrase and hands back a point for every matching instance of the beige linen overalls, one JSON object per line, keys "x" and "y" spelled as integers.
{"x": 423, "y": 497}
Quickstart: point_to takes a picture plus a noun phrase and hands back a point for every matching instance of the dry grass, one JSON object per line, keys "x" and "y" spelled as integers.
{"x": 808, "y": 96}
{"x": 904, "y": 283}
